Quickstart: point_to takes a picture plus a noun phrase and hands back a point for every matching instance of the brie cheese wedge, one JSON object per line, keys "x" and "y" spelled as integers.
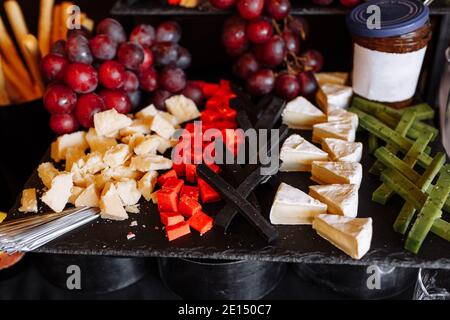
{"x": 297, "y": 154}
{"x": 28, "y": 201}
{"x": 338, "y": 96}
{"x": 336, "y": 172}
{"x": 341, "y": 199}
{"x": 302, "y": 114}
{"x": 340, "y": 150}
{"x": 351, "y": 235}
{"x": 339, "y": 115}
{"x": 343, "y": 130}
{"x": 293, "y": 206}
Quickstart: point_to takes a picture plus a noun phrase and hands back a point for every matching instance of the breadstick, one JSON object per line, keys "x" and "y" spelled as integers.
{"x": 4, "y": 99}
{"x": 65, "y": 13}
{"x": 14, "y": 95}
{"x": 45, "y": 25}
{"x": 33, "y": 58}
{"x": 56, "y": 23}
{"x": 26, "y": 90}
{"x": 87, "y": 23}
{"x": 16, "y": 20}
{"x": 10, "y": 54}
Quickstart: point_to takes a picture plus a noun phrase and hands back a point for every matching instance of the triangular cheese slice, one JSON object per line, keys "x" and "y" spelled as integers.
{"x": 343, "y": 130}
{"x": 339, "y": 115}
{"x": 341, "y": 199}
{"x": 302, "y": 114}
{"x": 298, "y": 153}
{"x": 340, "y": 150}
{"x": 338, "y": 96}
{"x": 88, "y": 197}
{"x": 351, "y": 235}
{"x": 324, "y": 172}
{"x": 293, "y": 206}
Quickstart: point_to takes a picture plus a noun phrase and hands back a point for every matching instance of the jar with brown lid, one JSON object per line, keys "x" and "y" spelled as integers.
{"x": 390, "y": 38}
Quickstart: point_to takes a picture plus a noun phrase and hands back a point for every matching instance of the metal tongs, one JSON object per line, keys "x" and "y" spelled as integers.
{"x": 29, "y": 233}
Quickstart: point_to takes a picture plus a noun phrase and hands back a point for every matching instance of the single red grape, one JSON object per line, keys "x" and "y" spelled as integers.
{"x": 113, "y": 29}
{"x": 53, "y": 67}
{"x": 78, "y": 31}
{"x": 259, "y": 31}
{"x": 131, "y": 55}
{"x": 172, "y": 79}
{"x": 131, "y": 82}
{"x": 292, "y": 41}
{"x": 313, "y": 60}
{"x": 59, "y": 48}
{"x": 245, "y": 65}
{"x": 250, "y": 9}
{"x": 299, "y": 26}
{"x": 287, "y": 86}
{"x": 159, "y": 98}
{"x": 59, "y": 99}
{"x": 308, "y": 84}
{"x": 165, "y": 53}
{"x": 135, "y": 98}
{"x": 116, "y": 99}
{"x": 103, "y": 47}
{"x": 143, "y": 34}
{"x": 184, "y": 58}
{"x": 168, "y": 31}
{"x": 148, "y": 79}
{"x": 81, "y": 78}
{"x": 271, "y": 53}
{"x": 278, "y": 9}
{"x": 111, "y": 74}
{"x": 349, "y": 3}
{"x": 88, "y": 105}
{"x": 63, "y": 123}
{"x": 261, "y": 82}
{"x": 193, "y": 92}
{"x": 234, "y": 38}
{"x": 223, "y": 4}
{"x": 77, "y": 48}
{"x": 148, "y": 60}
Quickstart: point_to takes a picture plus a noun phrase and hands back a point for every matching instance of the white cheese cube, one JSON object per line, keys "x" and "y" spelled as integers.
{"x": 88, "y": 197}
{"x": 147, "y": 183}
{"x": 70, "y": 140}
{"x": 108, "y": 123}
{"x": 147, "y": 112}
{"x": 341, "y": 199}
{"x": 29, "y": 201}
{"x": 169, "y": 118}
{"x": 147, "y": 145}
{"x": 46, "y": 172}
{"x": 117, "y": 155}
{"x": 162, "y": 127}
{"x": 293, "y": 206}
{"x": 110, "y": 204}
{"x": 141, "y": 126}
{"x": 148, "y": 162}
{"x": 128, "y": 192}
{"x": 59, "y": 193}
{"x": 184, "y": 109}
{"x": 351, "y": 235}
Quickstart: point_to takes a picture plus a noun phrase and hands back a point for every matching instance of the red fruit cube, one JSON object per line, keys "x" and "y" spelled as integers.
{"x": 209, "y": 116}
{"x": 164, "y": 177}
{"x": 179, "y": 168}
{"x": 201, "y": 222}
{"x": 167, "y": 200}
{"x": 177, "y": 230}
{"x": 189, "y": 191}
{"x": 216, "y": 102}
{"x": 170, "y": 218}
{"x": 209, "y": 89}
{"x": 190, "y": 172}
{"x": 188, "y": 206}
{"x": 207, "y": 193}
{"x": 173, "y": 184}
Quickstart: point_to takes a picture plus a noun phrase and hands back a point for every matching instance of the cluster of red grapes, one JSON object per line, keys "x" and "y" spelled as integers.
{"x": 266, "y": 42}
{"x": 345, "y": 3}
{"x": 91, "y": 74}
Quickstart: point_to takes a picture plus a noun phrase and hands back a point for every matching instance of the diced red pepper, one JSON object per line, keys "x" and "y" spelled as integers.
{"x": 189, "y": 191}
{"x": 189, "y": 127}
{"x": 217, "y": 102}
{"x": 209, "y": 89}
{"x": 214, "y": 167}
{"x": 207, "y": 193}
{"x": 225, "y": 124}
{"x": 209, "y": 116}
{"x": 190, "y": 172}
{"x": 201, "y": 222}
{"x": 225, "y": 85}
{"x": 173, "y": 184}
{"x": 164, "y": 177}
{"x": 173, "y": 2}
{"x": 178, "y": 230}
{"x": 170, "y": 218}
{"x": 167, "y": 200}
{"x": 188, "y": 206}
{"x": 179, "y": 168}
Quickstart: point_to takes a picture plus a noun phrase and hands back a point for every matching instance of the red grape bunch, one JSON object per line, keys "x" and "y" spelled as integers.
{"x": 266, "y": 42}
{"x": 88, "y": 74}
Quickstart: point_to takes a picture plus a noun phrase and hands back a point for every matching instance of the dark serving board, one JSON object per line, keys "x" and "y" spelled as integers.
{"x": 295, "y": 244}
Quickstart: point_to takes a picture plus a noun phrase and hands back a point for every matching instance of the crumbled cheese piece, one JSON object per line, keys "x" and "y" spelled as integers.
{"x": 99, "y": 143}
{"x": 148, "y": 112}
{"x": 128, "y": 192}
{"x": 29, "y": 201}
{"x": 162, "y": 127}
{"x": 184, "y": 109}
{"x": 116, "y": 155}
{"x": 147, "y": 145}
{"x": 88, "y": 197}
{"x": 46, "y": 172}
{"x": 147, "y": 184}
{"x": 110, "y": 204}
{"x": 73, "y": 154}
{"x": 70, "y": 140}
{"x": 57, "y": 196}
{"x": 108, "y": 123}
{"x": 74, "y": 193}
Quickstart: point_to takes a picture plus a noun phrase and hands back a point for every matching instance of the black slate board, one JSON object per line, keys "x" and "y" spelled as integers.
{"x": 295, "y": 244}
